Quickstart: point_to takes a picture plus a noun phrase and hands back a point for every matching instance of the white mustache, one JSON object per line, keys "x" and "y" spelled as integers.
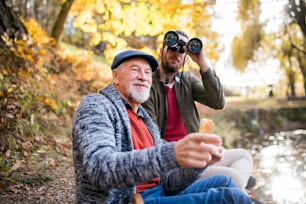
{"x": 140, "y": 83}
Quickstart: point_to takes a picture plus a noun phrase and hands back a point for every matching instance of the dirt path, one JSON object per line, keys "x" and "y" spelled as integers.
{"x": 46, "y": 178}
{"x": 59, "y": 190}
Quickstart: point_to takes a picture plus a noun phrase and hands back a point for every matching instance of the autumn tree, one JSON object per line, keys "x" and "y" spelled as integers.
{"x": 288, "y": 62}
{"x": 287, "y": 44}
{"x": 246, "y": 43}
{"x": 51, "y": 14}
{"x": 119, "y": 24}
{"x": 296, "y": 11}
{"x": 60, "y": 20}
{"x": 141, "y": 24}
{"x": 44, "y": 12}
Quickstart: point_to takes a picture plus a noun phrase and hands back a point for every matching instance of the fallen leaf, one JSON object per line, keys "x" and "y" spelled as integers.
{"x": 15, "y": 166}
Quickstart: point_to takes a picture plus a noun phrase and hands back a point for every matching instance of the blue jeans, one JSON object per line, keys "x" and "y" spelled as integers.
{"x": 212, "y": 190}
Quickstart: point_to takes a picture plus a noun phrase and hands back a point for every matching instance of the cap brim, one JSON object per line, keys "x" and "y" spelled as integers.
{"x": 123, "y": 56}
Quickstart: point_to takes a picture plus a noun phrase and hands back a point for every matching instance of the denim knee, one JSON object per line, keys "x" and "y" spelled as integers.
{"x": 222, "y": 181}
{"x": 235, "y": 195}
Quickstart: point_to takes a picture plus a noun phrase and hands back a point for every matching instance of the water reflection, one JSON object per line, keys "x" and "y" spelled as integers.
{"x": 280, "y": 167}
{"x": 286, "y": 187}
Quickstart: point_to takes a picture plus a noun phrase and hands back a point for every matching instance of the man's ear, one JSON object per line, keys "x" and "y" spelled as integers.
{"x": 115, "y": 77}
{"x": 161, "y": 52}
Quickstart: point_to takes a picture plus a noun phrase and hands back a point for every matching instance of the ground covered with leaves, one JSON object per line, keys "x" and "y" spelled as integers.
{"x": 44, "y": 177}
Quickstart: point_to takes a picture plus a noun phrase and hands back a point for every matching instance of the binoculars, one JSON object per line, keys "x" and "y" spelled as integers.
{"x": 172, "y": 40}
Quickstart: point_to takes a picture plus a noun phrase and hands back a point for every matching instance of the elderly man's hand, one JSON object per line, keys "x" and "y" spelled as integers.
{"x": 197, "y": 150}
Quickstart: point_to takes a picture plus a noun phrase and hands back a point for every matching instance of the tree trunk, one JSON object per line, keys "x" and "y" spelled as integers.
{"x": 297, "y": 10}
{"x": 10, "y": 23}
{"x": 60, "y": 21}
{"x": 292, "y": 86}
{"x": 302, "y": 62}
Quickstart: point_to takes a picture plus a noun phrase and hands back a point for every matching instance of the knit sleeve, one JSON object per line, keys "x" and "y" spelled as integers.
{"x": 103, "y": 149}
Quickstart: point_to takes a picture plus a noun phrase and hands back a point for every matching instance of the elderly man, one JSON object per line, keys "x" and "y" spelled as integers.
{"x": 118, "y": 152}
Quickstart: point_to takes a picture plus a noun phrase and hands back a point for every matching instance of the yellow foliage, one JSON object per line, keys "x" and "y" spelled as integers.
{"x": 114, "y": 21}
{"x": 95, "y": 38}
{"x": 248, "y": 9}
{"x": 10, "y": 90}
{"x": 39, "y": 36}
{"x": 51, "y": 103}
{"x": 86, "y": 22}
{"x": 23, "y": 74}
{"x": 248, "y": 40}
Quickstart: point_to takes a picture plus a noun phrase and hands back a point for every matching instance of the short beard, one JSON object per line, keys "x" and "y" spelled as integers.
{"x": 138, "y": 96}
{"x": 167, "y": 68}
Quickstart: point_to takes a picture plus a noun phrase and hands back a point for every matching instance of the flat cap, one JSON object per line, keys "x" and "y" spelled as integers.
{"x": 128, "y": 54}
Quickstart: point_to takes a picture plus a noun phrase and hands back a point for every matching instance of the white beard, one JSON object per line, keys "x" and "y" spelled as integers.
{"x": 139, "y": 96}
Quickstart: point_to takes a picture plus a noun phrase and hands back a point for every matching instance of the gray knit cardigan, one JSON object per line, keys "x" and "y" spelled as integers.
{"x": 106, "y": 166}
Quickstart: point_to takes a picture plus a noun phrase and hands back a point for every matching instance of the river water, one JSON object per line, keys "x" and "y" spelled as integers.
{"x": 279, "y": 166}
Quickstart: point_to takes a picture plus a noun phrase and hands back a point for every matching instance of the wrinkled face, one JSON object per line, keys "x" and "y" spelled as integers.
{"x": 133, "y": 79}
{"x": 172, "y": 60}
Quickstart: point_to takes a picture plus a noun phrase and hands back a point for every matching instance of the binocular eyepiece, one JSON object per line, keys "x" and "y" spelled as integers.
{"x": 172, "y": 40}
